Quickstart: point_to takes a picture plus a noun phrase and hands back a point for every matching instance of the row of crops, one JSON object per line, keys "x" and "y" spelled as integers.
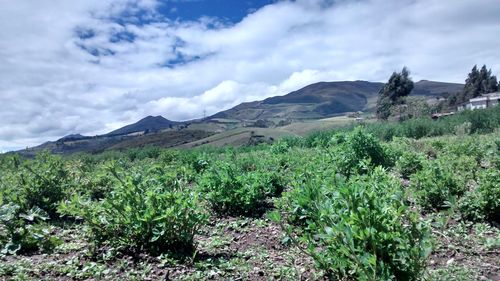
{"x": 357, "y": 205}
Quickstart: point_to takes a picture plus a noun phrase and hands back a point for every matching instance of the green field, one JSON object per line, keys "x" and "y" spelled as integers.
{"x": 415, "y": 200}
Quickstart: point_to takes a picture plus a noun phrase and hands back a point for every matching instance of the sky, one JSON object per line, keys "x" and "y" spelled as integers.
{"x": 91, "y": 66}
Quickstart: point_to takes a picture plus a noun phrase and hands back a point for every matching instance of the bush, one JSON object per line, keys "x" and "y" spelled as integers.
{"x": 23, "y": 233}
{"x": 409, "y": 163}
{"x": 437, "y": 184}
{"x": 361, "y": 229}
{"x": 240, "y": 187}
{"x": 40, "y": 183}
{"x": 463, "y": 129}
{"x": 149, "y": 210}
{"x": 352, "y": 151}
{"x": 483, "y": 203}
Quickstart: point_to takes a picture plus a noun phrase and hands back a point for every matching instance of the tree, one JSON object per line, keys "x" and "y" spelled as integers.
{"x": 478, "y": 82}
{"x": 399, "y": 86}
{"x": 416, "y": 107}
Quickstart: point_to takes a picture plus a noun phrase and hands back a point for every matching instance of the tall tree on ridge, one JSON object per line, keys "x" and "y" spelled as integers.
{"x": 399, "y": 86}
{"x": 478, "y": 82}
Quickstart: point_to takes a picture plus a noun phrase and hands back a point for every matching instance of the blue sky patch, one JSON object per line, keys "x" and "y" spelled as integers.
{"x": 231, "y": 11}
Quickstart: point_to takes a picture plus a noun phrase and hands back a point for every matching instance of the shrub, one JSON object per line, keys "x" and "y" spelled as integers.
{"x": 463, "y": 129}
{"x": 292, "y": 141}
{"x": 437, "y": 184}
{"x": 240, "y": 187}
{"x": 409, "y": 163}
{"x": 483, "y": 203}
{"x": 148, "y": 210}
{"x": 40, "y": 183}
{"x": 357, "y": 148}
{"x": 24, "y": 232}
{"x": 280, "y": 147}
{"x": 361, "y": 229}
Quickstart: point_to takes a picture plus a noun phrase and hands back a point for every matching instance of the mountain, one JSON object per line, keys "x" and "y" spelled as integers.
{"x": 72, "y": 137}
{"x": 327, "y": 99}
{"x": 436, "y": 89}
{"x": 314, "y": 101}
{"x": 147, "y": 124}
{"x": 302, "y": 111}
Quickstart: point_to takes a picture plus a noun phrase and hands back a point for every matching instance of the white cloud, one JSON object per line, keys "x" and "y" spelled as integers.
{"x": 50, "y": 86}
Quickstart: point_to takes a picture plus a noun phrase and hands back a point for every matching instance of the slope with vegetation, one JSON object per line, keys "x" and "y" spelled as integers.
{"x": 300, "y": 109}
{"x": 327, "y": 99}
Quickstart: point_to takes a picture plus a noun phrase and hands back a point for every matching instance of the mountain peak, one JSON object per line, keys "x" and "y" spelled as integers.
{"x": 148, "y": 123}
{"x": 72, "y": 137}
{"x": 150, "y": 117}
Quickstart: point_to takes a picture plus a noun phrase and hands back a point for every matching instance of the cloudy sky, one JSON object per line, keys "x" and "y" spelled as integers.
{"x": 91, "y": 66}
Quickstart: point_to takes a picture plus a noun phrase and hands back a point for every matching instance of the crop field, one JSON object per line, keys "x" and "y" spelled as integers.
{"x": 416, "y": 200}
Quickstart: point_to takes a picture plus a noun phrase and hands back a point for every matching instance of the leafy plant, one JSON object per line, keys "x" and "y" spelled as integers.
{"x": 361, "y": 229}
{"x": 437, "y": 184}
{"x": 24, "y": 232}
{"x": 40, "y": 183}
{"x": 483, "y": 203}
{"x": 239, "y": 188}
{"x": 149, "y": 210}
{"x": 409, "y": 163}
{"x": 357, "y": 147}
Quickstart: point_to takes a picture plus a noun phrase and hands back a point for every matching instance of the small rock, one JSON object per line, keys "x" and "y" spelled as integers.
{"x": 450, "y": 261}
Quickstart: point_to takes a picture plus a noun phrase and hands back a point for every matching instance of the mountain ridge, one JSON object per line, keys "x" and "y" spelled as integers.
{"x": 146, "y": 124}
{"x": 315, "y": 101}
{"x": 327, "y": 99}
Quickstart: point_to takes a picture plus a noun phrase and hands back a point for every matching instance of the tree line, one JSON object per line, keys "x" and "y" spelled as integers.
{"x": 393, "y": 98}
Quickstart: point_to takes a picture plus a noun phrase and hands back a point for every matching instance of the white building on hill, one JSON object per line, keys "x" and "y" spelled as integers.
{"x": 481, "y": 102}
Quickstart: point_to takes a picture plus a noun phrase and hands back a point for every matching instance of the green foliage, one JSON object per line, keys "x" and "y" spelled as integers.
{"x": 360, "y": 229}
{"x": 340, "y": 206}
{"x": 150, "y": 210}
{"x": 24, "y": 232}
{"x": 356, "y": 151}
{"x": 39, "y": 183}
{"x": 409, "y": 163}
{"x": 437, "y": 184}
{"x": 483, "y": 203}
{"x": 478, "y": 82}
{"x": 143, "y": 153}
{"x": 240, "y": 187}
{"x": 416, "y": 107}
{"x": 399, "y": 86}
{"x": 280, "y": 147}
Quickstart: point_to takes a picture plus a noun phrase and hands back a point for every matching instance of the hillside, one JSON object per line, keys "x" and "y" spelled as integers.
{"x": 147, "y": 124}
{"x": 435, "y": 89}
{"x": 327, "y": 99}
{"x": 299, "y": 112}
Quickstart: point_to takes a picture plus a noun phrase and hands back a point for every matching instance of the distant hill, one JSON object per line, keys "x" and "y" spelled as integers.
{"x": 303, "y": 110}
{"x": 436, "y": 89}
{"x": 72, "y": 137}
{"x": 327, "y": 99}
{"x": 97, "y": 144}
{"x": 147, "y": 124}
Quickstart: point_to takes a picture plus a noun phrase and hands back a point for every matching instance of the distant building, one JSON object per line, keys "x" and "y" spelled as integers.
{"x": 436, "y": 116}
{"x": 481, "y": 102}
